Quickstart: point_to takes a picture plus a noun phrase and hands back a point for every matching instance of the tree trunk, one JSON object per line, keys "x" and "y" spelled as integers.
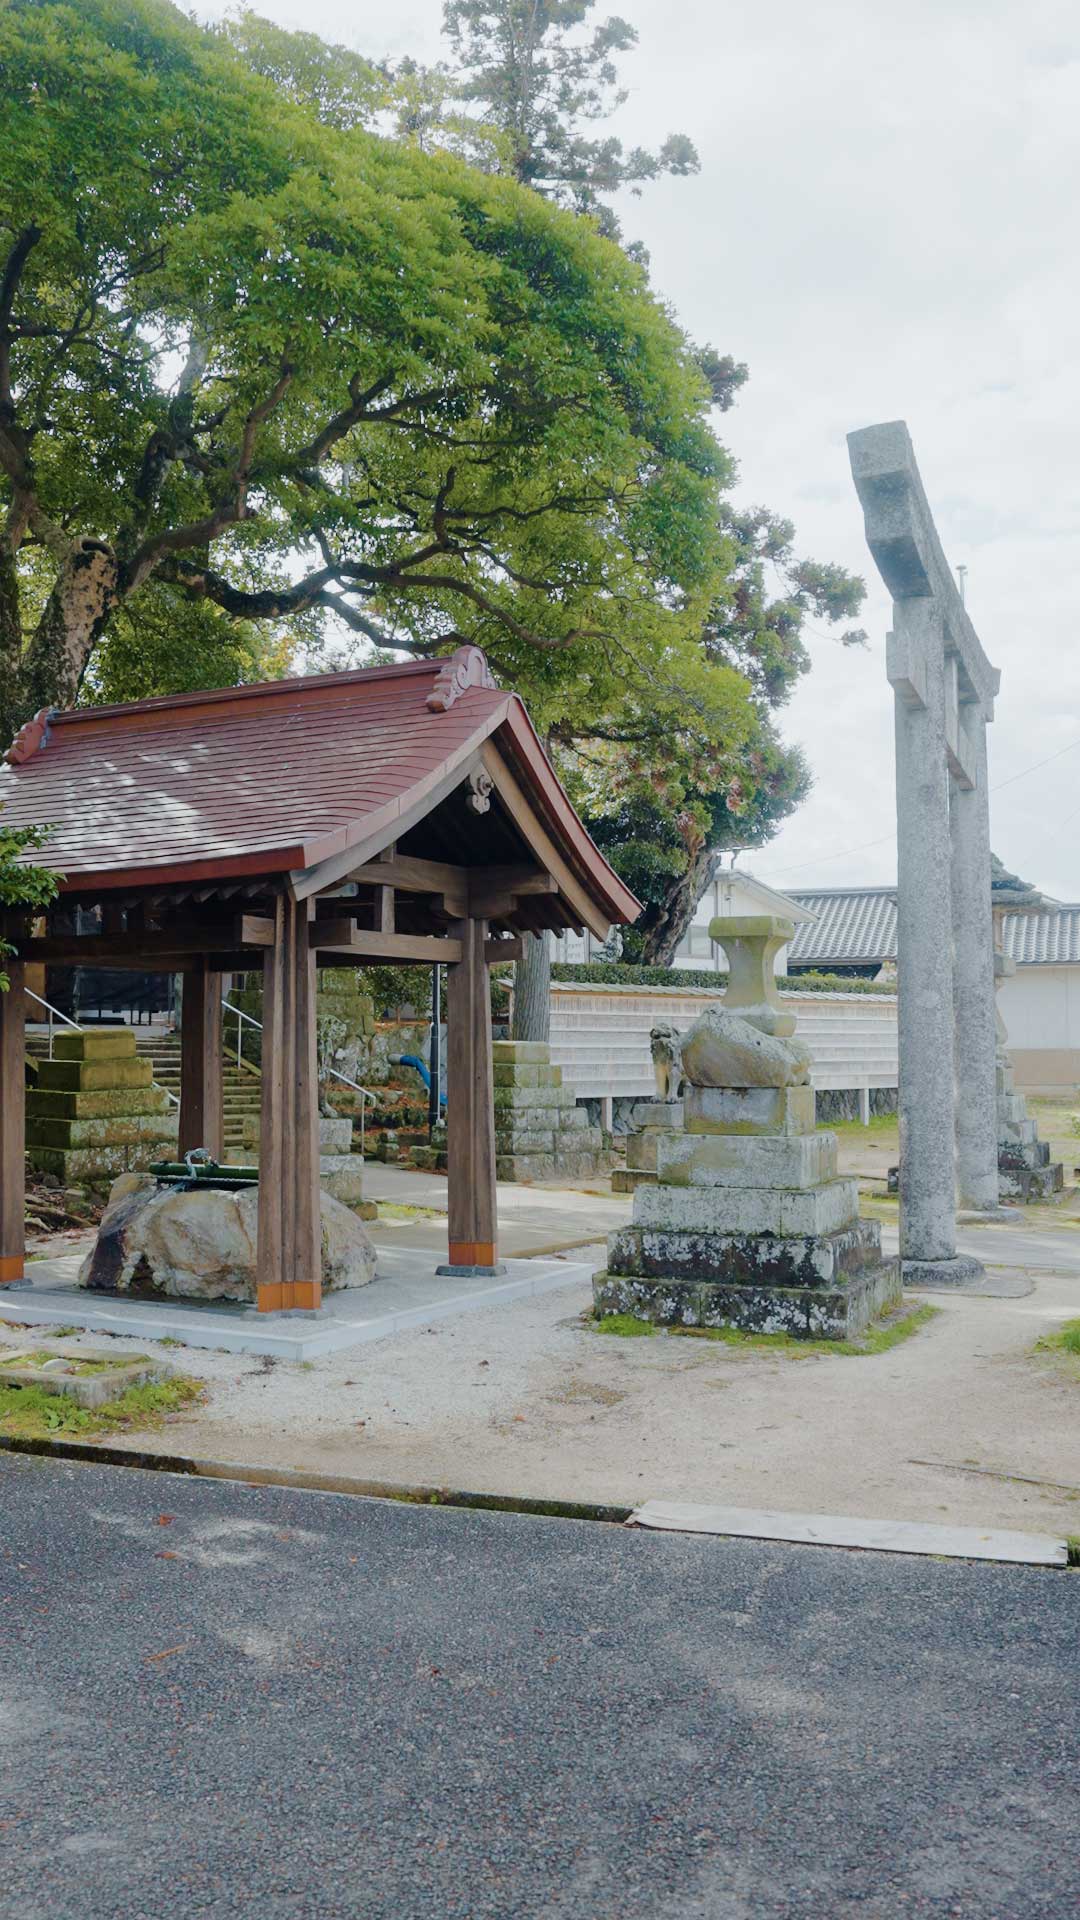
{"x": 10, "y": 645}
{"x": 83, "y": 595}
{"x": 664, "y": 923}
{"x": 532, "y": 989}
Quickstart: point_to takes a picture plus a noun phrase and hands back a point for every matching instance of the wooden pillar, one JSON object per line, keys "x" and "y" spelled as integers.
{"x": 202, "y": 1111}
{"x": 470, "y": 1110}
{"x": 290, "y": 1229}
{"x": 13, "y": 1128}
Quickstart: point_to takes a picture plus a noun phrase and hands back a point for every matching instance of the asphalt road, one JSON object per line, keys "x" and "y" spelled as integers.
{"x": 219, "y": 1700}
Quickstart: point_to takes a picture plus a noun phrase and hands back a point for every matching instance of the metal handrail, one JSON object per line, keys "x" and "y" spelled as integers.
{"x": 54, "y": 1012}
{"x": 364, "y": 1092}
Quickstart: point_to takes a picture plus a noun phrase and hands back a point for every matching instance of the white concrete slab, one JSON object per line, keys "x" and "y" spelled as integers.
{"x": 830, "y": 1530}
{"x": 405, "y": 1293}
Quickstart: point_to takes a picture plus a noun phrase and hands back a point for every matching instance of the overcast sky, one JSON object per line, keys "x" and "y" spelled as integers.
{"x": 884, "y": 226}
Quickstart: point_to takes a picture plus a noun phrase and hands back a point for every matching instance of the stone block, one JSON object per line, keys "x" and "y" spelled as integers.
{"x": 342, "y": 1176}
{"x": 116, "y": 1131}
{"x": 512, "y": 1075}
{"x": 788, "y": 1110}
{"x": 1005, "y": 1079}
{"x": 1017, "y": 1133}
{"x": 745, "y": 1160}
{"x": 806, "y": 1260}
{"x": 525, "y": 1166}
{"x": 524, "y": 1140}
{"x": 92, "y": 1076}
{"x": 533, "y": 1096}
{"x": 835, "y": 1313}
{"x": 95, "y": 1106}
{"x": 661, "y": 1116}
{"x": 99, "y": 1163}
{"x": 111, "y": 1043}
{"x": 759, "y": 1210}
{"x": 513, "y": 1052}
{"x": 628, "y": 1179}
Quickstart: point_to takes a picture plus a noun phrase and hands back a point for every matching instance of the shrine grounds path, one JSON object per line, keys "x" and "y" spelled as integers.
{"x": 228, "y": 1701}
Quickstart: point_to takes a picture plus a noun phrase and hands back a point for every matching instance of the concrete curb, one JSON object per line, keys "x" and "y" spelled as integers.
{"x": 666, "y": 1516}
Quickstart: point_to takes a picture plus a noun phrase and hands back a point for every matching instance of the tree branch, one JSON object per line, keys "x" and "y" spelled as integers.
{"x": 229, "y": 510}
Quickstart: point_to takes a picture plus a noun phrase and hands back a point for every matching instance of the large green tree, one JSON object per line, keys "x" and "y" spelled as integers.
{"x": 665, "y": 824}
{"x": 259, "y": 364}
{"x": 543, "y": 78}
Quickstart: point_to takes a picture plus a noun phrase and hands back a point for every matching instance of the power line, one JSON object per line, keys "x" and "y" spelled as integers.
{"x": 825, "y": 859}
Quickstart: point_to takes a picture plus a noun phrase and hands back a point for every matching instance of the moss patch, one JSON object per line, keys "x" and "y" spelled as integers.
{"x": 625, "y": 1325}
{"x": 877, "y": 1339}
{"x": 34, "y": 1414}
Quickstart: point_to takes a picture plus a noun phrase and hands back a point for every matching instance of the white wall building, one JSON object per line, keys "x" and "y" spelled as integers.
{"x": 732, "y": 892}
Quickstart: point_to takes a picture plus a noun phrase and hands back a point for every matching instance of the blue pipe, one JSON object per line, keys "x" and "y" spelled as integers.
{"x": 414, "y": 1060}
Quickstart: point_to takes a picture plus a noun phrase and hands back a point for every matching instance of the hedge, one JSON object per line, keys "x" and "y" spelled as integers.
{"x": 612, "y": 973}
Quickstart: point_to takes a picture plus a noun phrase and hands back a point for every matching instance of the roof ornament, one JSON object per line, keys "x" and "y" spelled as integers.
{"x": 481, "y": 788}
{"x": 31, "y": 738}
{"x": 464, "y": 669}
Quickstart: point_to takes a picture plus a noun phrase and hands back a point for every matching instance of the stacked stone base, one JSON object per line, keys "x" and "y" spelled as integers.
{"x": 540, "y": 1131}
{"x": 94, "y": 1111}
{"x": 341, "y": 1172}
{"x": 660, "y": 1116}
{"x": 1025, "y": 1169}
{"x": 807, "y": 1313}
{"x": 747, "y": 1225}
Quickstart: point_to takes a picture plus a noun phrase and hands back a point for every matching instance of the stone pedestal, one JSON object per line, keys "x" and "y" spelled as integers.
{"x": 660, "y": 1117}
{"x": 540, "y": 1131}
{"x": 1025, "y": 1169}
{"x": 748, "y": 1223}
{"x": 94, "y": 1111}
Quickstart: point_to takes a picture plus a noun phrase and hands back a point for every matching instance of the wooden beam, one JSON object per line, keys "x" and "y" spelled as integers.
{"x": 202, "y": 1113}
{"x": 113, "y": 949}
{"x": 470, "y": 1132}
{"x": 13, "y": 1127}
{"x": 345, "y": 938}
{"x": 513, "y": 798}
{"x": 498, "y": 951}
{"x": 409, "y": 875}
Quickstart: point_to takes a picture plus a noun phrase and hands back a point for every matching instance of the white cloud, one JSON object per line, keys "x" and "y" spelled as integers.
{"x": 884, "y": 226}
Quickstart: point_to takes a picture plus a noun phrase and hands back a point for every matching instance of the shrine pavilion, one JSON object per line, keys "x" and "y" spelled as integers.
{"x": 399, "y": 814}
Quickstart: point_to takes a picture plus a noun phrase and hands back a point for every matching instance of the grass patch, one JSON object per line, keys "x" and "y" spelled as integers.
{"x": 1065, "y": 1340}
{"x": 882, "y": 1125}
{"x": 31, "y": 1413}
{"x": 878, "y": 1339}
{"x": 625, "y": 1325}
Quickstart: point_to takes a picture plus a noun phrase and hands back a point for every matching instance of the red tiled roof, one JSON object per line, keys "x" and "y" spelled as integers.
{"x": 271, "y": 778}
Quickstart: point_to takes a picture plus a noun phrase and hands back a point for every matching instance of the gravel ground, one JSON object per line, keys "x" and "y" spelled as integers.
{"x": 525, "y": 1399}
{"x": 221, "y": 1701}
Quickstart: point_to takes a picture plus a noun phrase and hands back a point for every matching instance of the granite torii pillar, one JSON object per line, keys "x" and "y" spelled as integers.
{"x": 944, "y": 688}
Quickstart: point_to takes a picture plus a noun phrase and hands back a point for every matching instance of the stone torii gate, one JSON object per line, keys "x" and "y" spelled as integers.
{"x": 944, "y": 688}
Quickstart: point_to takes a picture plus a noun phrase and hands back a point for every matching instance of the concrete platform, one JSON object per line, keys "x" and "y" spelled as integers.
{"x": 405, "y": 1293}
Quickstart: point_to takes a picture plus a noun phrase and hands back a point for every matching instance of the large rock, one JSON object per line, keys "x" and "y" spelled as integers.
{"x": 157, "y": 1243}
{"x": 724, "y": 1050}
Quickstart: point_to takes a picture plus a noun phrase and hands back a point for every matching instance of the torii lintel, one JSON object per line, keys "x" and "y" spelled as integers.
{"x": 903, "y": 539}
